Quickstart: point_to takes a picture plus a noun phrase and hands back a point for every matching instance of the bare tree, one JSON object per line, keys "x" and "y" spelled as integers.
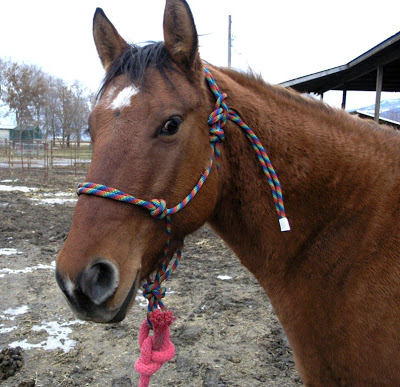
{"x": 81, "y": 101}
{"x": 38, "y": 99}
{"x": 4, "y": 65}
{"x": 18, "y": 93}
{"x": 65, "y": 111}
{"x": 39, "y": 85}
{"x": 52, "y": 123}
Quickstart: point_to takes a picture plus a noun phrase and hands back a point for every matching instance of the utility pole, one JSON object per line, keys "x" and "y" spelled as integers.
{"x": 229, "y": 40}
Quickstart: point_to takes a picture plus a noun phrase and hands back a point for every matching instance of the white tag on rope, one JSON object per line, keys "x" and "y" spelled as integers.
{"x": 284, "y": 223}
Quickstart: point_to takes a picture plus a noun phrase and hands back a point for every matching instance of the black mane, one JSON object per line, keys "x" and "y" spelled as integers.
{"x": 135, "y": 60}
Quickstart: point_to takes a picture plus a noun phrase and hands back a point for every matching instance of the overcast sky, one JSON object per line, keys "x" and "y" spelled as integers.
{"x": 281, "y": 40}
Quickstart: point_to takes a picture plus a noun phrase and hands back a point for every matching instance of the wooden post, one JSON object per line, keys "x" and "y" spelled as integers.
{"x": 51, "y": 158}
{"x": 229, "y": 41}
{"x": 344, "y": 99}
{"x": 379, "y": 80}
{"x": 12, "y": 160}
{"x": 46, "y": 161}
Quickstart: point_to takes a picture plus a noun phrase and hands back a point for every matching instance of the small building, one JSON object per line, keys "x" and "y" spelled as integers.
{"x": 5, "y": 132}
{"x": 16, "y": 134}
{"x": 28, "y": 134}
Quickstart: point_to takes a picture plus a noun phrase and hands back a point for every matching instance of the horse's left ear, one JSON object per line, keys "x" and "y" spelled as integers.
{"x": 180, "y": 35}
{"x": 108, "y": 42}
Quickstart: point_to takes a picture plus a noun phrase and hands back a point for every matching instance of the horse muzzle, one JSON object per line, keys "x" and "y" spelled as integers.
{"x": 91, "y": 294}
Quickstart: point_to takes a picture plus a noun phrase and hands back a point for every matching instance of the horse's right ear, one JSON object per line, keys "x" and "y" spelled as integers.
{"x": 180, "y": 35}
{"x": 108, "y": 42}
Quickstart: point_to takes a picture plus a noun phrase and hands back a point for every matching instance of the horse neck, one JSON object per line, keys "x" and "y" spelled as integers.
{"x": 324, "y": 159}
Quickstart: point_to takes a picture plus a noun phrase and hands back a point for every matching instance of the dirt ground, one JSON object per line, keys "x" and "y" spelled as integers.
{"x": 226, "y": 333}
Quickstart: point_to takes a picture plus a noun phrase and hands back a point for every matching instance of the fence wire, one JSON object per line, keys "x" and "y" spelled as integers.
{"x": 43, "y": 159}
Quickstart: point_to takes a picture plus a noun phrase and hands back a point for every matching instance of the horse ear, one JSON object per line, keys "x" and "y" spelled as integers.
{"x": 108, "y": 42}
{"x": 180, "y": 35}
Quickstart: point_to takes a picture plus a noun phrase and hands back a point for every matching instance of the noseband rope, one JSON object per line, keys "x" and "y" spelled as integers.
{"x": 153, "y": 291}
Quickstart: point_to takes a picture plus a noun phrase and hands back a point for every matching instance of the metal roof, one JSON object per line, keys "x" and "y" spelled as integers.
{"x": 382, "y": 120}
{"x": 359, "y": 74}
{"x": 6, "y": 127}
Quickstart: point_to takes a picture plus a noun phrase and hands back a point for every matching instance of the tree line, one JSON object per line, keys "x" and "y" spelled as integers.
{"x": 37, "y": 99}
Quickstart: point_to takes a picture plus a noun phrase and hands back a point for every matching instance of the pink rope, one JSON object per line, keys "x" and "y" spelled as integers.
{"x": 157, "y": 349}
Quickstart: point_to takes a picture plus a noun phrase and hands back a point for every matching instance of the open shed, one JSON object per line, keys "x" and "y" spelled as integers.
{"x": 377, "y": 70}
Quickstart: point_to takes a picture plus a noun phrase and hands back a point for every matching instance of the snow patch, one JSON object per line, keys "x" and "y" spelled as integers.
{"x": 12, "y": 313}
{"x": 58, "y": 336}
{"x": 17, "y": 311}
{"x": 224, "y": 277}
{"x": 10, "y": 188}
{"x": 53, "y": 201}
{"x": 28, "y": 269}
{"x": 7, "y": 330}
{"x": 55, "y": 198}
{"x": 59, "y": 194}
{"x": 9, "y": 251}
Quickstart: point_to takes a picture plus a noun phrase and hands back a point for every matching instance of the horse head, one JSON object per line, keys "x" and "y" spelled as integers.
{"x": 150, "y": 139}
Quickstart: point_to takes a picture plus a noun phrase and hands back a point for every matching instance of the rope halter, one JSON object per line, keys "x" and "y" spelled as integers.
{"x": 157, "y": 349}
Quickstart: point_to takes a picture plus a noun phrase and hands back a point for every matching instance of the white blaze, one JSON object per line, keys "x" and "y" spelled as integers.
{"x": 123, "y": 99}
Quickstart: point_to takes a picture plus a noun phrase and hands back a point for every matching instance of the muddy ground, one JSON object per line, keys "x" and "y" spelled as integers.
{"x": 226, "y": 333}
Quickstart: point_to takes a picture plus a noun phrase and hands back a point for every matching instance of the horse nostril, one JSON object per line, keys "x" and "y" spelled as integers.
{"x": 99, "y": 281}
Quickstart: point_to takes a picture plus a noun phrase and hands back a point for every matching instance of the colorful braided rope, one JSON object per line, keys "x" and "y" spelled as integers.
{"x": 152, "y": 290}
{"x": 225, "y": 114}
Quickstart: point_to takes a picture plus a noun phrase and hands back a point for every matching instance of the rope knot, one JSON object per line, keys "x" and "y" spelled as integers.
{"x": 219, "y": 117}
{"x": 153, "y": 290}
{"x": 217, "y": 135}
{"x": 157, "y": 349}
{"x": 158, "y": 208}
{"x": 216, "y": 121}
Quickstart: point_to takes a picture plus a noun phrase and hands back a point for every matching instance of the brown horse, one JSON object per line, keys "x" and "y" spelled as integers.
{"x": 334, "y": 280}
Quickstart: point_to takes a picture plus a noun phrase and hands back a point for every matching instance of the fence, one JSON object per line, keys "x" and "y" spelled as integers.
{"x": 43, "y": 158}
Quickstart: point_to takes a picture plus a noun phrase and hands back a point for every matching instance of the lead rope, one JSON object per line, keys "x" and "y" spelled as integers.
{"x": 158, "y": 348}
{"x": 224, "y": 114}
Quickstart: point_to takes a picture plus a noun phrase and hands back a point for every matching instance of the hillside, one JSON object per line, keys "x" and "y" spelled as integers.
{"x": 390, "y": 109}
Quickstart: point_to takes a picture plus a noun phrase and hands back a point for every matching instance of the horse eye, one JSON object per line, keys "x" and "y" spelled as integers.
{"x": 171, "y": 126}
